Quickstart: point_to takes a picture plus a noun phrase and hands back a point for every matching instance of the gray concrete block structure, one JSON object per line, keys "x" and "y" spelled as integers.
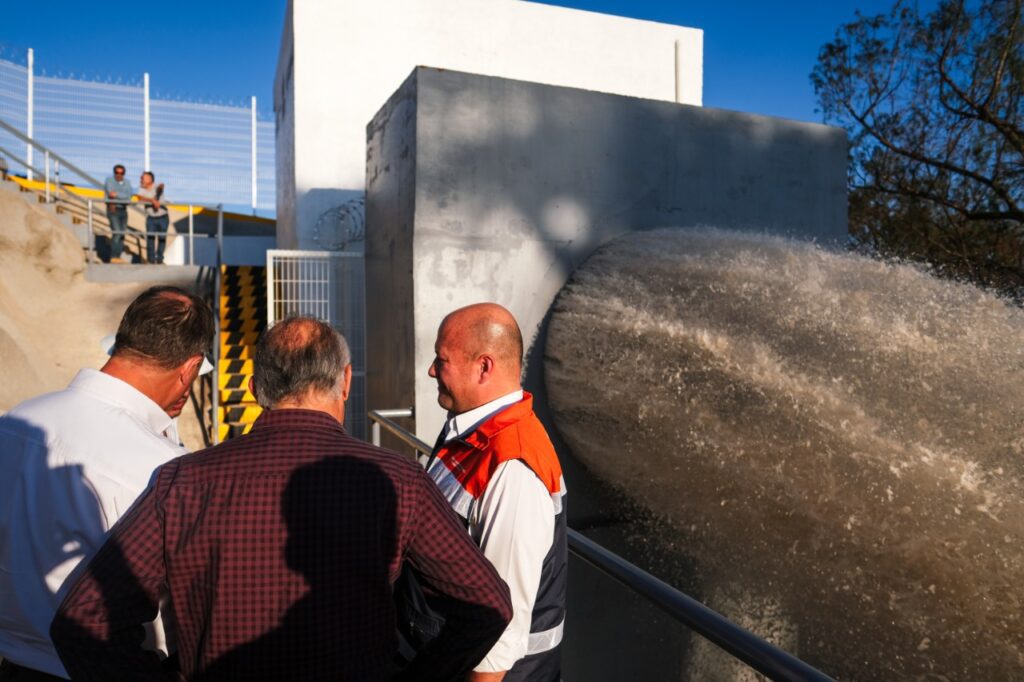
{"x": 482, "y": 188}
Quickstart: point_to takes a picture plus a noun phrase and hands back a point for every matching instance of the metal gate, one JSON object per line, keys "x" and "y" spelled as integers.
{"x": 329, "y": 286}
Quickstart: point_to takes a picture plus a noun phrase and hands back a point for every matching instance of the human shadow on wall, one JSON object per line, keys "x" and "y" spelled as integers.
{"x": 343, "y": 551}
{"x": 38, "y": 545}
{"x": 64, "y": 528}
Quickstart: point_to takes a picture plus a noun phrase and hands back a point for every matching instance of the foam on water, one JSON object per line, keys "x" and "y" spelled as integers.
{"x": 839, "y": 436}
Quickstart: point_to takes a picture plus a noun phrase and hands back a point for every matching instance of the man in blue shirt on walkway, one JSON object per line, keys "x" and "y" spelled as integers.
{"x": 118, "y": 188}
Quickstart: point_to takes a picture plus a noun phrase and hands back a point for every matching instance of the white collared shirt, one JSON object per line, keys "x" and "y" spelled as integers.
{"x": 71, "y": 463}
{"x": 462, "y": 424}
{"x": 513, "y": 522}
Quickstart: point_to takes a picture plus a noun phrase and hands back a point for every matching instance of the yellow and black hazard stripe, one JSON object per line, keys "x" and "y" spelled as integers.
{"x": 236, "y": 367}
{"x": 243, "y": 316}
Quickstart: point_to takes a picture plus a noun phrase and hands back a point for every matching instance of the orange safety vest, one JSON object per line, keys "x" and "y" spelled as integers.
{"x": 462, "y": 469}
{"x": 513, "y": 433}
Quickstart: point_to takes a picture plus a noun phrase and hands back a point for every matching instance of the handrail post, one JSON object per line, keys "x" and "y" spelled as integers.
{"x": 220, "y": 234}
{"x": 92, "y": 238}
{"x": 215, "y": 374}
{"x": 375, "y": 433}
{"x": 46, "y": 173}
{"x": 215, "y": 384}
{"x": 30, "y": 98}
{"x": 191, "y": 235}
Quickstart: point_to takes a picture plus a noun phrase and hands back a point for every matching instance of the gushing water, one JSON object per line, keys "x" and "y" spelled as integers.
{"x": 838, "y": 436}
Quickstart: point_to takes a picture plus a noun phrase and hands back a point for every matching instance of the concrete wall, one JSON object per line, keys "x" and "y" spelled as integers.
{"x": 284, "y": 153}
{"x": 484, "y": 188}
{"x": 340, "y": 60}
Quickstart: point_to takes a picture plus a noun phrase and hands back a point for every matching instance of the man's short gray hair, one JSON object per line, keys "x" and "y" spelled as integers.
{"x": 298, "y": 355}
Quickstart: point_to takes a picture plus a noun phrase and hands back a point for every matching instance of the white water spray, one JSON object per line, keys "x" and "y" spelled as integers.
{"x": 833, "y": 434}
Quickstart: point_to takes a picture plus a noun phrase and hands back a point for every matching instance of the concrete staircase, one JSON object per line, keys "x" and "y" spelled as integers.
{"x": 243, "y": 316}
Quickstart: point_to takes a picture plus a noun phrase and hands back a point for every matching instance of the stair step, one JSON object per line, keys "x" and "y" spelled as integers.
{"x": 242, "y": 413}
{"x": 233, "y": 430}
{"x": 231, "y": 396}
{"x": 237, "y": 352}
{"x": 252, "y": 326}
{"x": 228, "y": 338}
{"x": 236, "y": 367}
{"x": 233, "y": 381}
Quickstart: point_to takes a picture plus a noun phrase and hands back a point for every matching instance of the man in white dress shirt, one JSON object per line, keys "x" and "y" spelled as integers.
{"x": 496, "y": 466}
{"x": 72, "y": 462}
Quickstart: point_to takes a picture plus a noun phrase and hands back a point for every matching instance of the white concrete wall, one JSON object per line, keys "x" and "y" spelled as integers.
{"x": 349, "y": 57}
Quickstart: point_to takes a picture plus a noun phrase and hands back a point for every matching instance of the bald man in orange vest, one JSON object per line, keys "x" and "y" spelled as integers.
{"x": 495, "y": 465}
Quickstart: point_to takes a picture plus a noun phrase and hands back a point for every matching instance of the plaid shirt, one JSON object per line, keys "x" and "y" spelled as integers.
{"x": 279, "y": 550}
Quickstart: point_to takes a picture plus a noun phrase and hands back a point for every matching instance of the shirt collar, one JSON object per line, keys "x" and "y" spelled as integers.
{"x": 461, "y": 424}
{"x": 122, "y": 394}
{"x": 296, "y": 418}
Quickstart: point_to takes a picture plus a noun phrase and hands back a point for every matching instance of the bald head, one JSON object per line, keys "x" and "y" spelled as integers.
{"x": 478, "y": 356}
{"x": 487, "y": 328}
{"x": 300, "y": 359}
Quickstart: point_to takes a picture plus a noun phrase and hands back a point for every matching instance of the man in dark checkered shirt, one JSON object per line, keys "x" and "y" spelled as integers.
{"x": 279, "y": 548}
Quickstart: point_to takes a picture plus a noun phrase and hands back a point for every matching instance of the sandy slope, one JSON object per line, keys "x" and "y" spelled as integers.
{"x": 51, "y": 318}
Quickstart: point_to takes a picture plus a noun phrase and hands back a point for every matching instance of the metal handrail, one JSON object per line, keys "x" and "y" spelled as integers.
{"x": 765, "y": 658}
{"x": 378, "y": 417}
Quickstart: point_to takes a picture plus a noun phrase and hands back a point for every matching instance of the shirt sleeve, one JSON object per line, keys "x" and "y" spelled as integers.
{"x": 470, "y": 594}
{"x": 514, "y": 525}
{"x": 99, "y": 628}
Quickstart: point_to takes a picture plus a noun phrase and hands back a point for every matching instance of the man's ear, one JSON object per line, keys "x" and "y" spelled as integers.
{"x": 346, "y": 382}
{"x": 252, "y": 386}
{"x": 190, "y": 369}
{"x": 485, "y": 365}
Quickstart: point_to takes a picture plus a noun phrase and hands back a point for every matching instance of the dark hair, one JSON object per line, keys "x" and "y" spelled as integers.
{"x": 296, "y": 355}
{"x": 150, "y": 174}
{"x": 165, "y": 325}
{"x": 121, "y": 167}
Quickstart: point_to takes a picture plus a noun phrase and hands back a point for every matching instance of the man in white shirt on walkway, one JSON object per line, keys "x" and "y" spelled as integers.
{"x": 72, "y": 462}
{"x": 497, "y": 468}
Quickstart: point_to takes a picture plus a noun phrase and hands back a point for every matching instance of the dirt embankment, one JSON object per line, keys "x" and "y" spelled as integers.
{"x": 51, "y": 318}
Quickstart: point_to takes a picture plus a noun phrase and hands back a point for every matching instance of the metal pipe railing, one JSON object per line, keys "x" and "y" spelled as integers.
{"x": 37, "y": 145}
{"x": 765, "y": 658}
{"x": 64, "y": 162}
{"x": 378, "y": 417}
{"x": 215, "y": 392}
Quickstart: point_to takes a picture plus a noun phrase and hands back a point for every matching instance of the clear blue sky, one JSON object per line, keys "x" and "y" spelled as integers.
{"x": 757, "y": 55}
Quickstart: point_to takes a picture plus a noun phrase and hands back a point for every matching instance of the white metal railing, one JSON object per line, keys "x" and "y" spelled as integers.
{"x": 190, "y": 235}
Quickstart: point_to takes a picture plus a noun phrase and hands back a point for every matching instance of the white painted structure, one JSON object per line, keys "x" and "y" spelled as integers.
{"x": 340, "y": 60}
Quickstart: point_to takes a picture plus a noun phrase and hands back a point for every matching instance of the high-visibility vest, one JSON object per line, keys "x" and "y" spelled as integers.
{"x": 462, "y": 469}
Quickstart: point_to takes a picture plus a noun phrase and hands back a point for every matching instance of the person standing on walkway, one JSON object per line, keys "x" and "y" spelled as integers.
{"x": 497, "y": 468}
{"x": 157, "y": 220}
{"x": 118, "y": 189}
{"x": 72, "y": 462}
